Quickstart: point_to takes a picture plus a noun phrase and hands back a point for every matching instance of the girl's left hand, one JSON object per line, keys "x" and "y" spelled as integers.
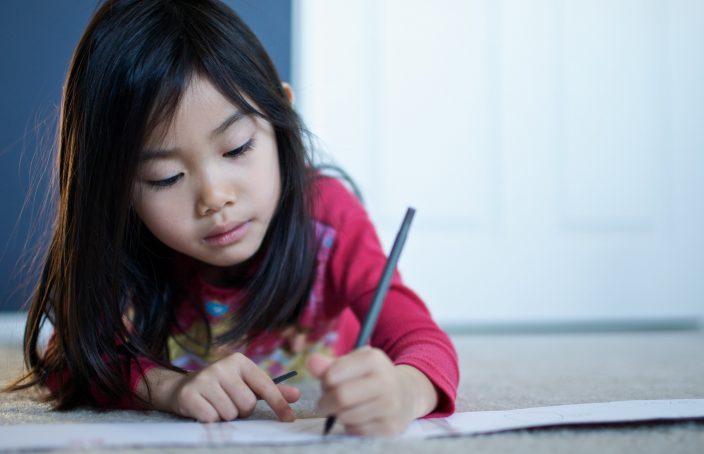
{"x": 370, "y": 395}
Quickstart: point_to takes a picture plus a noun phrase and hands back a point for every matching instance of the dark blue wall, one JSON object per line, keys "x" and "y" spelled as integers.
{"x": 36, "y": 41}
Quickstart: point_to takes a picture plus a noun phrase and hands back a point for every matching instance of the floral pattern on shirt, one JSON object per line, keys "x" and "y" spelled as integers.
{"x": 276, "y": 351}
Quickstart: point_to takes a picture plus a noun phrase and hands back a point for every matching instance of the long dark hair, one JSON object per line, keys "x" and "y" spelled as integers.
{"x": 127, "y": 75}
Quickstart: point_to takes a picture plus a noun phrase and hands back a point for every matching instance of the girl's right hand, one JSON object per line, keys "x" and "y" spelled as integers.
{"x": 229, "y": 389}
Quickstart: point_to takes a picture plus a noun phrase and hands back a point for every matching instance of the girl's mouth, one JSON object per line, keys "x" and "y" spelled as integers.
{"x": 229, "y": 236}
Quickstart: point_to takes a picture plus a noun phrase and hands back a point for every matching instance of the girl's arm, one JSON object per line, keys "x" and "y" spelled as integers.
{"x": 225, "y": 390}
{"x": 156, "y": 387}
{"x": 222, "y": 391}
{"x": 405, "y": 330}
{"x": 412, "y": 369}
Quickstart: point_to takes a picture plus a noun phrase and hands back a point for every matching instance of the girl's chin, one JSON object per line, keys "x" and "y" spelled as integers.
{"x": 231, "y": 263}
{"x": 225, "y": 262}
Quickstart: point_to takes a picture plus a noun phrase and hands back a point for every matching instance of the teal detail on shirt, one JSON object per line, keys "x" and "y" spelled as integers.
{"x": 216, "y": 308}
{"x": 327, "y": 242}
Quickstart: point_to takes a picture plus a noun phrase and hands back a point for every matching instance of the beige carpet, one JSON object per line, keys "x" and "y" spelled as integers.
{"x": 499, "y": 372}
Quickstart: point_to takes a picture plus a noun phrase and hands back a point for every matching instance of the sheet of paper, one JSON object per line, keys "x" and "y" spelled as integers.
{"x": 303, "y": 431}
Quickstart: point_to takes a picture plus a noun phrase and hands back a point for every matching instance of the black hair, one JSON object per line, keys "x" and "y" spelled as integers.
{"x": 127, "y": 75}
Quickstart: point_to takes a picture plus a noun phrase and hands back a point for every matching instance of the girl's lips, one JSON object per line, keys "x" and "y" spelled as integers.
{"x": 231, "y": 236}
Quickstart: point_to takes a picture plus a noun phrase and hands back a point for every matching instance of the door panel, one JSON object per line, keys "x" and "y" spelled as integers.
{"x": 553, "y": 148}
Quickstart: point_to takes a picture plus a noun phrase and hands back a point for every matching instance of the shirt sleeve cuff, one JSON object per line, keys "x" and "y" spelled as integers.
{"x": 138, "y": 369}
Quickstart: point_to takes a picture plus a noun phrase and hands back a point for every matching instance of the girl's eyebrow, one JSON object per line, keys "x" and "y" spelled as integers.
{"x": 229, "y": 121}
{"x": 148, "y": 154}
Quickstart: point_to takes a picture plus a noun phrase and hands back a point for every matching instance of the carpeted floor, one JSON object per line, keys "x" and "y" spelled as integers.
{"x": 499, "y": 372}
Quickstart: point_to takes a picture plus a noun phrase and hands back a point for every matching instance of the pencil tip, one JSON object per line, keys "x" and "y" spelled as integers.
{"x": 328, "y": 425}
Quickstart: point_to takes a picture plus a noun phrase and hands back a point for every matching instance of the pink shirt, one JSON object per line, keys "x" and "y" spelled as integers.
{"x": 349, "y": 263}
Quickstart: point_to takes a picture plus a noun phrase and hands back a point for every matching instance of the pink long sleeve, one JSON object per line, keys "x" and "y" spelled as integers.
{"x": 131, "y": 375}
{"x": 405, "y": 329}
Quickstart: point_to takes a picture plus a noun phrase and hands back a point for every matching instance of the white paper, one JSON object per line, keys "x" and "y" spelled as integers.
{"x": 246, "y": 432}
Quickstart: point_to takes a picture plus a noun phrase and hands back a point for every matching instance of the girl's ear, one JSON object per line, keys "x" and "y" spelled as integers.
{"x": 288, "y": 90}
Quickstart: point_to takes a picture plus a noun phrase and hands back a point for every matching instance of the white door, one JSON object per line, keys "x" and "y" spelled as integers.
{"x": 554, "y": 149}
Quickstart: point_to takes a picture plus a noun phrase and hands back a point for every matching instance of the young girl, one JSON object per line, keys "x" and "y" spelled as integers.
{"x": 196, "y": 252}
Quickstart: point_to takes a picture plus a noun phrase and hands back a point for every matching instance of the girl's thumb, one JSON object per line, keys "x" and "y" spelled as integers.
{"x": 318, "y": 363}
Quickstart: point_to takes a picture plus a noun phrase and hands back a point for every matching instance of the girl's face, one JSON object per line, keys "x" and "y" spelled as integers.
{"x": 208, "y": 184}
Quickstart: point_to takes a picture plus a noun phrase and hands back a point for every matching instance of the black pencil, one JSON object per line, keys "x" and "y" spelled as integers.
{"x": 283, "y": 377}
{"x": 381, "y": 290}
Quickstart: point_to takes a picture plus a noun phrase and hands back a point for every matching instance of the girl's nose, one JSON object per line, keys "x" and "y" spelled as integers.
{"x": 215, "y": 194}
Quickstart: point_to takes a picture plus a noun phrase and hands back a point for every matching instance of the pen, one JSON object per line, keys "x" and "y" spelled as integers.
{"x": 283, "y": 377}
{"x": 380, "y": 294}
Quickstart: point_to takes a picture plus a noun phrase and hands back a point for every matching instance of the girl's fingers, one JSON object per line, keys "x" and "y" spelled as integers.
{"x": 367, "y": 428}
{"x": 317, "y": 364}
{"x": 354, "y": 365}
{"x": 350, "y": 394}
{"x": 376, "y": 427}
{"x": 221, "y": 402}
{"x": 242, "y": 397}
{"x": 361, "y": 414}
{"x": 261, "y": 384}
{"x": 290, "y": 393}
{"x": 200, "y": 408}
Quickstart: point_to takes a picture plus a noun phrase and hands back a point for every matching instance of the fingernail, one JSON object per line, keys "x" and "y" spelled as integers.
{"x": 289, "y": 416}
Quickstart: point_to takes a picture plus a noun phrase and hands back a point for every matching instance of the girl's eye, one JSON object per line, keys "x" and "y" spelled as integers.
{"x": 159, "y": 184}
{"x": 239, "y": 151}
